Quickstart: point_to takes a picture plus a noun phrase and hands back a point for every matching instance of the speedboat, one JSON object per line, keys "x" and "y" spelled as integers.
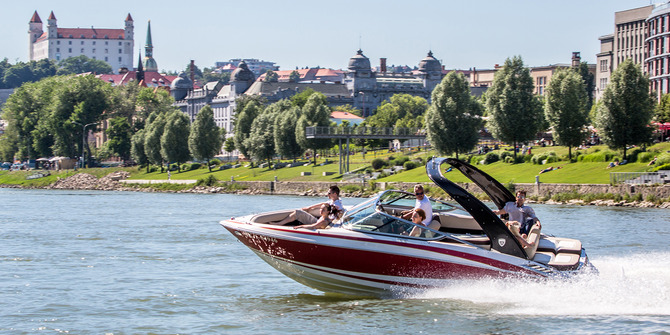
{"x": 370, "y": 251}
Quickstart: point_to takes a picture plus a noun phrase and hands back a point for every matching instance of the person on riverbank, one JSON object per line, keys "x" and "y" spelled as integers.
{"x": 303, "y": 215}
{"x": 423, "y": 203}
{"x": 520, "y": 213}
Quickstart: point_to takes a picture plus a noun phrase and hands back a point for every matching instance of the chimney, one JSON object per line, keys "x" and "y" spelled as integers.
{"x": 382, "y": 65}
{"x": 576, "y": 59}
{"x": 193, "y": 73}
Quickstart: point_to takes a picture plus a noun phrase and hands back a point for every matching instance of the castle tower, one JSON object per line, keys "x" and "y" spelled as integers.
{"x": 34, "y": 32}
{"x": 362, "y": 82}
{"x": 129, "y": 29}
{"x": 149, "y": 62}
{"x": 242, "y": 78}
{"x": 139, "y": 75}
{"x": 52, "y": 27}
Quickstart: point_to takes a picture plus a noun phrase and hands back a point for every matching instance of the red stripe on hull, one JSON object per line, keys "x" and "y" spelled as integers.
{"x": 373, "y": 262}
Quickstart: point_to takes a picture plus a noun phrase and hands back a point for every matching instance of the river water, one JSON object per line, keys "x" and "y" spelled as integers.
{"x": 88, "y": 262}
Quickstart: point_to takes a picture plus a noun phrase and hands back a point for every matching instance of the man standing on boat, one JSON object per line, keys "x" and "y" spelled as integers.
{"x": 423, "y": 203}
{"x": 520, "y": 213}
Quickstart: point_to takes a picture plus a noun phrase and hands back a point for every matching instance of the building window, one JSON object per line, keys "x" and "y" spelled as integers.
{"x": 57, "y": 42}
{"x": 119, "y": 59}
{"x": 93, "y": 50}
{"x": 69, "y": 42}
{"x": 57, "y": 49}
{"x": 82, "y": 42}
{"x": 106, "y": 43}
{"x": 603, "y": 65}
{"x": 120, "y": 43}
{"x": 603, "y": 83}
{"x": 106, "y": 50}
{"x": 82, "y": 50}
{"x": 119, "y": 50}
{"x": 93, "y": 41}
{"x": 69, "y": 50}
{"x": 106, "y": 59}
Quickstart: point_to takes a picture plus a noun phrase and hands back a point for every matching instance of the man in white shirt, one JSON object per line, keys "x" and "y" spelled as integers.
{"x": 520, "y": 213}
{"x": 421, "y": 202}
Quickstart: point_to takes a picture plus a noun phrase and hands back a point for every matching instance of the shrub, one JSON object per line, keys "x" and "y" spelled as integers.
{"x": 645, "y": 157}
{"x": 491, "y": 157}
{"x": 377, "y": 163}
{"x": 153, "y": 168}
{"x": 508, "y": 159}
{"x": 663, "y": 167}
{"x": 350, "y": 188}
{"x": 544, "y": 158}
{"x": 599, "y": 156}
{"x": 400, "y": 161}
{"x": 208, "y": 181}
{"x": 215, "y": 162}
{"x": 409, "y": 165}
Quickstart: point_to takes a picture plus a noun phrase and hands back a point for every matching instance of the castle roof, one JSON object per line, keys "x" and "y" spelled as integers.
{"x": 52, "y": 16}
{"x": 35, "y": 18}
{"x": 129, "y": 18}
{"x": 90, "y": 33}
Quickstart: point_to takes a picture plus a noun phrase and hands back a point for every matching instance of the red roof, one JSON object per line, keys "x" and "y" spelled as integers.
{"x": 309, "y": 75}
{"x": 35, "y": 18}
{"x": 344, "y": 115}
{"x": 52, "y": 16}
{"x": 151, "y": 79}
{"x": 129, "y": 18}
{"x": 89, "y": 33}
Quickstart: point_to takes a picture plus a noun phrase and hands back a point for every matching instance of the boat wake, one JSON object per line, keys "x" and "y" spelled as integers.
{"x": 636, "y": 284}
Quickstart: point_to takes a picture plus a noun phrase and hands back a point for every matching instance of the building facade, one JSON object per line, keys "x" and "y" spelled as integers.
{"x": 113, "y": 46}
{"x": 627, "y": 42}
{"x": 369, "y": 88}
{"x": 657, "y": 42}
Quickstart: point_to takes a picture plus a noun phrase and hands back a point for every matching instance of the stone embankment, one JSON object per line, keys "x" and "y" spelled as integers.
{"x": 112, "y": 182}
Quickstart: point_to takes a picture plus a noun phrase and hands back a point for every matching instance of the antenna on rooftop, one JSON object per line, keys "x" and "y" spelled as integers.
{"x": 360, "y": 37}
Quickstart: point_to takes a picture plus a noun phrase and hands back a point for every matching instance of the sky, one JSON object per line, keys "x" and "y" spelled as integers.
{"x": 462, "y": 34}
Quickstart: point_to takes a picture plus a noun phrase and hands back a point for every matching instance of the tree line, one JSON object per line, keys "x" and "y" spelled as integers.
{"x": 48, "y": 118}
{"x": 14, "y": 75}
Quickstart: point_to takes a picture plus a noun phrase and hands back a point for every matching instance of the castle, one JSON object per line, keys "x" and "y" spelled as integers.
{"x": 114, "y": 46}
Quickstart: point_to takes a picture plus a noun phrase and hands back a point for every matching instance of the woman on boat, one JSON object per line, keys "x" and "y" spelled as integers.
{"x": 324, "y": 220}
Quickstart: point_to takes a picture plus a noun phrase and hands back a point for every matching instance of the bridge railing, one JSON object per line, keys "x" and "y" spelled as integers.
{"x": 364, "y": 131}
{"x": 640, "y": 177}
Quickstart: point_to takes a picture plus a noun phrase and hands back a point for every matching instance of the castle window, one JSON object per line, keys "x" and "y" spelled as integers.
{"x": 82, "y": 50}
{"x": 82, "y": 36}
{"x": 57, "y": 42}
{"x": 69, "y": 42}
{"x": 106, "y": 37}
{"x": 69, "y": 50}
{"x": 106, "y": 59}
{"x": 93, "y": 50}
{"x": 106, "y": 50}
{"x": 119, "y": 59}
{"x": 93, "y": 41}
{"x": 94, "y": 37}
{"x": 82, "y": 42}
{"x": 120, "y": 43}
{"x": 119, "y": 50}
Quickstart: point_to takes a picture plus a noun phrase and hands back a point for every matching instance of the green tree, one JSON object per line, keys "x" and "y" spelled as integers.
{"x": 663, "y": 109}
{"x": 294, "y": 77}
{"x": 137, "y": 149}
{"x": 627, "y": 107}
{"x": 209, "y": 75}
{"x": 260, "y": 143}
{"x": 399, "y": 106}
{"x": 119, "y": 134}
{"x": 566, "y": 108}
{"x": 152, "y": 138}
{"x": 453, "y": 119}
{"x": 515, "y": 114}
{"x": 174, "y": 141}
{"x": 589, "y": 83}
{"x": 271, "y": 77}
{"x": 301, "y": 98}
{"x": 150, "y": 101}
{"x": 315, "y": 113}
{"x": 205, "y": 139}
{"x": 83, "y": 64}
{"x": 348, "y": 109}
{"x": 17, "y": 75}
{"x": 284, "y": 133}
{"x": 242, "y": 124}
{"x": 229, "y": 145}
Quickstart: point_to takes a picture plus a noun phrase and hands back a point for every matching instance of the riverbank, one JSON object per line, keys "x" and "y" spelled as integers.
{"x": 624, "y": 195}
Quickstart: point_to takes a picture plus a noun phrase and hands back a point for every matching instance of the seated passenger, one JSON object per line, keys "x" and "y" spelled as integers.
{"x": 423, "y": 203}
{"x": 520, "y": 213}
{"x": 303, "y": 215}
{"x": 513, "y": 227}
{"x": 323, "y": 221}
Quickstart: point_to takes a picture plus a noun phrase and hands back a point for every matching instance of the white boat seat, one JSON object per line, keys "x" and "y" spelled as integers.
{"x": 560, "y": 245}
{"x": 435, "y": 225}
{"x": 560, "y": 261}
{"x": 533, "y": 238}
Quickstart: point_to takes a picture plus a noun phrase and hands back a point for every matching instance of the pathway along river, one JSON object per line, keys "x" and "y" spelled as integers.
{"x": 88, "y": 262}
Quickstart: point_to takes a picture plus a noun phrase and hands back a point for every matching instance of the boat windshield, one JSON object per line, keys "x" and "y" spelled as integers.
{"x": 405, "y": 199}
{"x": 370, "y": 216}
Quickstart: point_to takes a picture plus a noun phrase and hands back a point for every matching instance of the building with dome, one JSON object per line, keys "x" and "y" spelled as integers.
{"x": 369, "y": 88}
{"x": 114, "y": 46}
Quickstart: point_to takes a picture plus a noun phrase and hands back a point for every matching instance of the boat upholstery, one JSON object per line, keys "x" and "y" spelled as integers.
{"x": 534, "y": 239}
{"x": 561, "y": 261}
{"x": 560, "y": 245}
{"x": 451, "y": 222}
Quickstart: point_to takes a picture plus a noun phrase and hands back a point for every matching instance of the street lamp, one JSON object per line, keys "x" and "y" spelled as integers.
{"x": 83, "y": 140}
